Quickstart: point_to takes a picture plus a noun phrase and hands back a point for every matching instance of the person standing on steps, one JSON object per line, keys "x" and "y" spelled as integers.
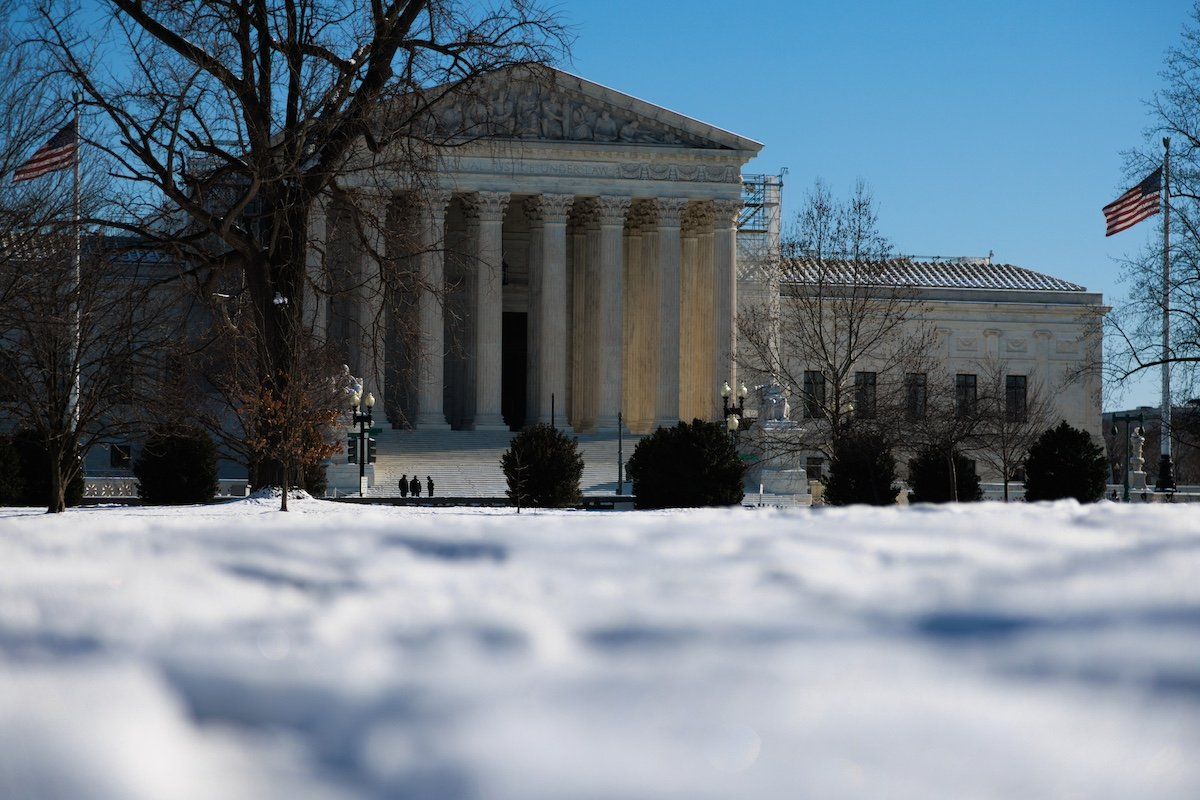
{"x": 404, "y": 486}
{"x": 415, "y": 486}
{"x": 429, "y": 483}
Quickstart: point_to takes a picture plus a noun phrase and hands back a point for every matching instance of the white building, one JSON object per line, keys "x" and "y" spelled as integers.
{"x": 590, "y": 265}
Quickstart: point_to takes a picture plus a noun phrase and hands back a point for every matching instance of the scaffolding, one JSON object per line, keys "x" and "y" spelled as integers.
{"x": 759, "y": 221}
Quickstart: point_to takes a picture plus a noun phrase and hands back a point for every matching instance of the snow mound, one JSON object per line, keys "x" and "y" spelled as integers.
{"x": 347, "y": 651}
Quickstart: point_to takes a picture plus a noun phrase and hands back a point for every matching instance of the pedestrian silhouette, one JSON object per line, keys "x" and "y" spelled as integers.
{"x": 429, "y": 483}
{"x": 415, "y": 486}
{"x": 404, "y": 486}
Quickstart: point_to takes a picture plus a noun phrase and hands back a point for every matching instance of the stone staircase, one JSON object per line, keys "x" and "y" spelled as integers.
{"x": 467, "y": 463}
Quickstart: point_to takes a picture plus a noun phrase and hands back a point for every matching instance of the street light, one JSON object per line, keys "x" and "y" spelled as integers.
{"x": 362, "y": 446}
{"x": 739, "y": 410}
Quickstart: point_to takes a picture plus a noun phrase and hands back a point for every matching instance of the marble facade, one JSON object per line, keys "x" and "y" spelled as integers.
{"x": 584, "y": 248}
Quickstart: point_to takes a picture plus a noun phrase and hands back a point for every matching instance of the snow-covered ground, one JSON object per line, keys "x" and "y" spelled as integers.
{"x": 348, "y": 652}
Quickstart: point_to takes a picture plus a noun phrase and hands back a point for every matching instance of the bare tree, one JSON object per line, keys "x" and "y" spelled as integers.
{"x": 1135, "y": 326}
{"x": 1013, "y": 411}
{"x": 233, "y": 120}
{"x": 948, "y": 421}
{"x": 125, "y": 321}
{"x": 841, "y": 328}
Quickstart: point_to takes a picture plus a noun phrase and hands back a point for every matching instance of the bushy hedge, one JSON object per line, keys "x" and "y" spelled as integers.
{"x": 929, "y": 476}
{"x": 543, "y": 468}
{"x": 35, "y": 471}
{"x": 177, "y": 465}
{"x": 12, "y": 483}
{"x": 687, "y": 466}
{"x": 862, "y": 469}
{"x": 1065, "y": 462}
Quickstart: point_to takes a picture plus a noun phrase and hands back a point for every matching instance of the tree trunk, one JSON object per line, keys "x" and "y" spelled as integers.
{"x": 953, "y": 478}
{"x": 277, "y": 292}
{"x": 58, "y": 485}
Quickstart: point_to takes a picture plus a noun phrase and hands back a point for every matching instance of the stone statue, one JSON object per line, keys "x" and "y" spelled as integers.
{"x": 606, "y": 128}
{"x": 553, "y": 119}
{"x": 774, "y": 406}
{"x": 580, "y": 127}
{"x": 630, "y": 132}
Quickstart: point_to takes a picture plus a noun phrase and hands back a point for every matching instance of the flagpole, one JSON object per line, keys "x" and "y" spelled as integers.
{"x": 1166, "y": 476}
{"x": 76, "y": 280}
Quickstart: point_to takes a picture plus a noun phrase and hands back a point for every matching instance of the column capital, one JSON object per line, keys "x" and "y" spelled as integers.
{"x": 543, "y": 208}
{"x": 697, "y": 217}
{"x": 642, "y": 214}
{"x": 670, "y": 211}
{"x": 726, "y": 212}
{"x": 486, "y": 206}
{"x": 434, "y": 201}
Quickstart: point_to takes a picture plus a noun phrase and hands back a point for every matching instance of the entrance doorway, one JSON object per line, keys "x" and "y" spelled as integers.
{"x": 513, "y": 369}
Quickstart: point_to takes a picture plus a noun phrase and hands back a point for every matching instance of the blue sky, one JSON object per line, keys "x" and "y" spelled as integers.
{"x": 979, "y": 125}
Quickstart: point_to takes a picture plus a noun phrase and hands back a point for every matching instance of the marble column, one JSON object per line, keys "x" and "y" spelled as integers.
{"x": 666, "y": 406}
{"x": 548, "y": 343}
{"x": 609, "y": 311}
{"x": 316, "y": 285}
{"x": 579, "y": 410}
{"x": 641, "y": 322}
{"x": 708, "y": 403}
{"x": 372, "y": 308}
{"x": 724, "y": 259}
{"x": 688, "y": 302}
{"x": 485, "y": 220}
{"x": 431, "y": 293}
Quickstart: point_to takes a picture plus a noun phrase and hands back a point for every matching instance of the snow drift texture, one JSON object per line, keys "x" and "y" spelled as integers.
{"x": 343, "y": 652}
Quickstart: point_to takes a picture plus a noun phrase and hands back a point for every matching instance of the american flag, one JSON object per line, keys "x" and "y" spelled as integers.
{"x": 56, "y": 154}
{"x": 1139, "y": 203}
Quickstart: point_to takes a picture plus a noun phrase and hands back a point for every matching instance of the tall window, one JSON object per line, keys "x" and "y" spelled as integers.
{"x": 864, "y": 395}
{"x": 914, "y": 396}
{"x": 965, "y": 395}
{"x": 814, "y": 394}
{"x": 1015, "y": 398}
{"x": 120, "y": 455}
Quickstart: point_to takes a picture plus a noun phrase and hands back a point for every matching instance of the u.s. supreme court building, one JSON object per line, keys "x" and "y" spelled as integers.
{"x": 593, "y": 260}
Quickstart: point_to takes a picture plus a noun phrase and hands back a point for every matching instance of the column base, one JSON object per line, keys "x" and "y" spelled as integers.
{"x": 605, "y": 424}
{"x": 432, "y": 422}
{"x": 489, "y": 422}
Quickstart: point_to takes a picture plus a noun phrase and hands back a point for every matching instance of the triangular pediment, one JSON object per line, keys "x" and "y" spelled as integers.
{"x": 549, "y": 105}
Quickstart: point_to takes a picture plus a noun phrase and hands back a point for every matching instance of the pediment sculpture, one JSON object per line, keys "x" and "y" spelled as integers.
{"x": 539, "y": 112}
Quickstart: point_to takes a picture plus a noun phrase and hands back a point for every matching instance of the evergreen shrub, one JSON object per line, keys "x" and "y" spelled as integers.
{"x": 687, "y": 466}
{"x": 177, "y": 466}
{"x": 929, "y": 476}
{"x": 543, "y": 467}
{"x": 862, "y": 469}
{"x": 35, "y": 471}
{"x": 12, "y": 484}
{"x": 1065, "y": 462}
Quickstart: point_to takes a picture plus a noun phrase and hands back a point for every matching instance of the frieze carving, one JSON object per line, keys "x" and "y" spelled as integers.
{"x": 1017, "y": 345}
{"x": 549, "y": 207}
{"x": 530, "y": 110}
{"x": 486, "y": 206}
{"x": 967, "y": 344}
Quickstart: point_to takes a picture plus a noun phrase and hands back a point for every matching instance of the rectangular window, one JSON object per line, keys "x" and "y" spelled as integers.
{"x": 965, "y": 395}
{"x": 120, "y": 456}
{"x": 815, "y": 467}
{"x": 864, "y": 395}
{"x": 814, "y": 394}
{"x": 915, "y": 393}
{"x": 1015, "y": 398}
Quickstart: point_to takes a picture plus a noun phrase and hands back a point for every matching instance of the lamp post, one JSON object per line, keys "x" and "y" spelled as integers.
{"x": 363, "y": 420}
{"x": 731, "y": 410}
{"x": 1127, "y": 418}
